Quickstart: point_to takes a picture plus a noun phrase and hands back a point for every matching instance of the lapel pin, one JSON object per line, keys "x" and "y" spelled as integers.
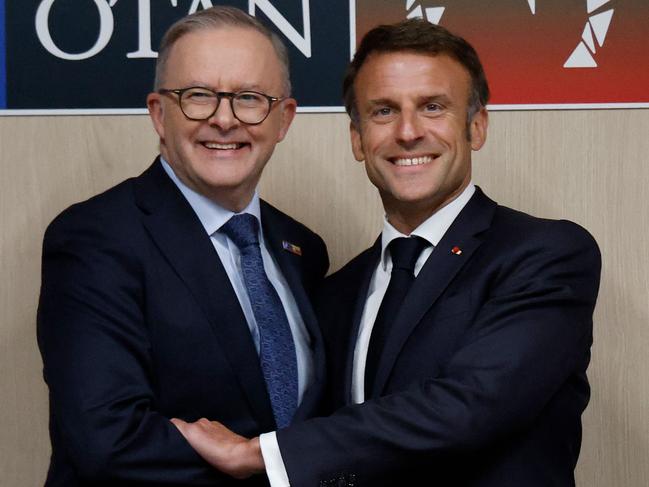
{"x": 292, "y": 248}
{"x": 456, "y": 250}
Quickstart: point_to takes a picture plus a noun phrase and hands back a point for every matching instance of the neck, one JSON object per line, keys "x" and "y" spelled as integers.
{"x": 232, "y": 198}
{"x": 405, "y": 216}
{"x": 236, "y": 203}
{"x": 406, "y": 221}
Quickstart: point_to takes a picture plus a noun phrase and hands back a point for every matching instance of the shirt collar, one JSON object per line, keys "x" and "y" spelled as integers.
{"x": 433, "y": 228}
{"x": 211, "y": 215}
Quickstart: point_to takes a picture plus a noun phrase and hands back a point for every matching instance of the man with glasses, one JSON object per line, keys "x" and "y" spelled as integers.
{"x": 180, "y": 293}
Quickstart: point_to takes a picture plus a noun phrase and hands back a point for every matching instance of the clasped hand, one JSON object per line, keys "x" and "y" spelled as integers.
{"x": 225, "y": 450}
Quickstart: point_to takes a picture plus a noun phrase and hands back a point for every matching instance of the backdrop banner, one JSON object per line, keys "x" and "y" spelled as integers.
{"x": 98, "y": 56}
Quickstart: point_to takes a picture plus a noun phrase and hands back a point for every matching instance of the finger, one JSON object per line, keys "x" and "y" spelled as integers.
{"x": 180, "y": 424}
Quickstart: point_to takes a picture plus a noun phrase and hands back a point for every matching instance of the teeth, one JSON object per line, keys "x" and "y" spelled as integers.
{"x": 413, "y": 161}
{"x": 214, "y": 145}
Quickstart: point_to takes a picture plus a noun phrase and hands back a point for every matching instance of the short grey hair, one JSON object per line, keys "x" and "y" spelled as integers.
{"x": 215, "y": 18}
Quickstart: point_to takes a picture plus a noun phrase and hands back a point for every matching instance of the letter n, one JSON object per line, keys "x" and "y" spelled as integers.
{"x": 302, "y": 43}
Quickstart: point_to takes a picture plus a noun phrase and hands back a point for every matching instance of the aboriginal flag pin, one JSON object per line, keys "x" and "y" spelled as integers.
{"x": 456, "y": 250}
{"x": 292, "y": 248}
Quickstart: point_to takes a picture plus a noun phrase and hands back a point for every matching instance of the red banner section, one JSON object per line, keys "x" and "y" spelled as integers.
{"x": 542, "y": 53}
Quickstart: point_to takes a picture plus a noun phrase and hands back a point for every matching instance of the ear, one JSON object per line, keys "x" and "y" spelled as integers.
{"x": 478, "y": 128}
{"x": 289, "y": 106}
{"x": 357, "y": 142}
{"x": 156, "y": 112}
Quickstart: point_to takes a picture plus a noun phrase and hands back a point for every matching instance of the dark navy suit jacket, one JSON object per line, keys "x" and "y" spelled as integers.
{"x": 483, "y": 379}
{"x": 138, "y": 323}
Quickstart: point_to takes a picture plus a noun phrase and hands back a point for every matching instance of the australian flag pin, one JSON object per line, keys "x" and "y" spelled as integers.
{"x": 292, "y": 248}
{"x": 456, "y": 250}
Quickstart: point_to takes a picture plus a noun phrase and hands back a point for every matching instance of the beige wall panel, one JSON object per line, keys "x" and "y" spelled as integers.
{"x": 590, "y": 167}
{"x": 314, "y": 177}
{"x": 46, "y": 163}
{"x": 585, "y": 166}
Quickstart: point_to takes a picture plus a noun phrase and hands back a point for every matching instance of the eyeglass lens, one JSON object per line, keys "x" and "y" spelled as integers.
{"x": 247, "y": 106}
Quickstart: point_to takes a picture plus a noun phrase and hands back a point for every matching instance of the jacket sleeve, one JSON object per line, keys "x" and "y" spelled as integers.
{"x": 92, "y": 333}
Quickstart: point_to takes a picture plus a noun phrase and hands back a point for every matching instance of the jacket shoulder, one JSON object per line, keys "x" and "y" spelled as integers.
{"x": 111, "y": 208}
{"x": 516, "y": 225}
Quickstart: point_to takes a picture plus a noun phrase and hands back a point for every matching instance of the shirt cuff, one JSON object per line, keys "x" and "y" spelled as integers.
{"x": 275, "y": 469}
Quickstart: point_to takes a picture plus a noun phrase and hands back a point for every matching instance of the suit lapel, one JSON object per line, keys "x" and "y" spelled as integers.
{"x": 360, "y": 289}
{"x": 440, "y": 269}
{"x": 276, "y": 233}
{"x": 179, "y": 235}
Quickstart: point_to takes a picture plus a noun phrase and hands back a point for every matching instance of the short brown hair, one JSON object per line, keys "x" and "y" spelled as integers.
{"x": 419, "y": 36}
{"x": 214, "y": 18}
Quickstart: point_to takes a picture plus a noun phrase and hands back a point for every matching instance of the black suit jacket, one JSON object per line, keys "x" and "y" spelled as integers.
{"x": 483, "y": 379}
{"x": 138, "y": 323}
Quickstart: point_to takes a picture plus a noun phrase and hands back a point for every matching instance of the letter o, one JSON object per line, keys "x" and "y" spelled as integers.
{"x": 106, "y": 25}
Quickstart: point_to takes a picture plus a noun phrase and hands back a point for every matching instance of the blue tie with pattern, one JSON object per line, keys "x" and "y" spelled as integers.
{"x": 276, "y": 348}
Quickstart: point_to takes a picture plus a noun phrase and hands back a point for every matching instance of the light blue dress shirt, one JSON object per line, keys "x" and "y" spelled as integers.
{"x": 212, "y": 217}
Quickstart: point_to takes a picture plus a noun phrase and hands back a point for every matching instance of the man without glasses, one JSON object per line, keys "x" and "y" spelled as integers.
{"x": 179, "y": 293}
{"x": 460, "y": 340}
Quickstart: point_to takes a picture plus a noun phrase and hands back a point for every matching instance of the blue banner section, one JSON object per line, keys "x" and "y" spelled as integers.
{"x": 98, "y": 56}
{"x": 101, "y": 54}
{"x": 3, "y": 66}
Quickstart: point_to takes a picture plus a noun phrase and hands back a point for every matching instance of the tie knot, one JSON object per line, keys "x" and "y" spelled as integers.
{"x": 242, "y": 229}
{"x": 405, "y": 251}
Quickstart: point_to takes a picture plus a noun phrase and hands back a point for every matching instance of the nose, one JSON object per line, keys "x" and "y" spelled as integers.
{"x": 409, "y": 129}
{"x": 223, "y": 117}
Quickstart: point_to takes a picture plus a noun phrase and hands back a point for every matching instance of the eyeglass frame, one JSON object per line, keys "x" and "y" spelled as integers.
{"x": 219, "y": 95}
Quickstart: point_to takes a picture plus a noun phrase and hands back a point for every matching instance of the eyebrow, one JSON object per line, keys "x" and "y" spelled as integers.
{"x": 381, "y": 101}
{"x": 241, "y": 87}
{"x": 250, "y": 87}
{"x": 438, "y": 98}
{"x": 441, "y": 98}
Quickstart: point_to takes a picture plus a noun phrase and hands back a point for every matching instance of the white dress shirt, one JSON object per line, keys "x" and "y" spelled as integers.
{"x": 212, "y": 217}
{"x": 432, "y": 230}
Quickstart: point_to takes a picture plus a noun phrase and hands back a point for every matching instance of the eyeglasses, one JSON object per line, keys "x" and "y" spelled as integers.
{"x": 249, "y": 107}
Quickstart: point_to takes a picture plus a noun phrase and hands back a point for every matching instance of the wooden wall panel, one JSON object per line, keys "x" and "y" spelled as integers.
{"x": 46, "y": 163}
{"x": 585, "y": 166}
{"x": 590, "y": 167}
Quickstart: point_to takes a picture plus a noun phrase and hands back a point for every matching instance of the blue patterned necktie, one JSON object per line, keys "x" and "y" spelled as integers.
{"x": 276, "y": 348}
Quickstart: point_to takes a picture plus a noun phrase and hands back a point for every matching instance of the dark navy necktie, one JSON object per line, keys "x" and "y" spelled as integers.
{"x": 404, "y": 252}
{"x": 276, "y": 348}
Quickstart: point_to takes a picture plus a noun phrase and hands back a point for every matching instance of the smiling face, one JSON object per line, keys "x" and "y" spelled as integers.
{"x": 221, "y": 157}
{"x": 412, "y": 132}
